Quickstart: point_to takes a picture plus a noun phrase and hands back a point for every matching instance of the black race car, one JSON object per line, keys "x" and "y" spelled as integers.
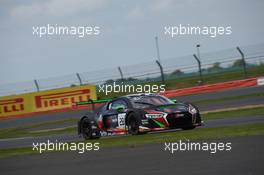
{"x": 137, "y": 114}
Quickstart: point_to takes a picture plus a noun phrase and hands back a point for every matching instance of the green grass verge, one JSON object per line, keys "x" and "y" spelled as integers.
{"x": 26, "y": 131}
{"x": 214, "y": 77}
{"x": 133, "y": 141}
{"x": 224, "y": 99}
{"x": 258, "y": 111}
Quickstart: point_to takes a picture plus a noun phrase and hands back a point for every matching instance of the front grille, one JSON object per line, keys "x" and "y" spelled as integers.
{"x": 177, "y": 122}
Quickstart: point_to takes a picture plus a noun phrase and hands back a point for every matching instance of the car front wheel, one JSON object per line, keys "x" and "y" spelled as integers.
{"x": 133, "y": 125}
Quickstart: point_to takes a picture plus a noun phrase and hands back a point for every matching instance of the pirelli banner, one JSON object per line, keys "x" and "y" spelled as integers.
{"x": 51, "y": 100}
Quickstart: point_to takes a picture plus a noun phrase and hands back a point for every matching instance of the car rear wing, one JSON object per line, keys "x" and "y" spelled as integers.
{"x": 92, "y": 102}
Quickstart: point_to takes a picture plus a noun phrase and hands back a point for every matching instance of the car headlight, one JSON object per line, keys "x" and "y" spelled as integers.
{"x": 192, "y": 110}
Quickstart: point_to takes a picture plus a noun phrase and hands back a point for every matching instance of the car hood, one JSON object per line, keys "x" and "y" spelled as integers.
{"x": 173, "y": 108}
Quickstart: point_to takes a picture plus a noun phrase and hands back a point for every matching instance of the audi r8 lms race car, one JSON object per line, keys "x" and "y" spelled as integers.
{"x": 137, "y": 114}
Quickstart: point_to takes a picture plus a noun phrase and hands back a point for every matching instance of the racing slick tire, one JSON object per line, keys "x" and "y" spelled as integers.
{"x": 133, "y": 124}
{"x": 87, "y": 131}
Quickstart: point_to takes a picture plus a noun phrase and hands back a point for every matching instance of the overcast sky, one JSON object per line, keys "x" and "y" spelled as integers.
{"x": 127, "y": 33}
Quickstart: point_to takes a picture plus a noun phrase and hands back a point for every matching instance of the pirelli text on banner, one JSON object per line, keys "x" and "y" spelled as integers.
{"x": 45, "y": 101}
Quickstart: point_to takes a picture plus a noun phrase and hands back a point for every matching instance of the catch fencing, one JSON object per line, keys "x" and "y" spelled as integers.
{"x": 176, "y": 72}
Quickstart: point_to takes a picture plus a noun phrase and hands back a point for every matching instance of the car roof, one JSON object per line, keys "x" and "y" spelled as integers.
{"x": 140, "y": 95}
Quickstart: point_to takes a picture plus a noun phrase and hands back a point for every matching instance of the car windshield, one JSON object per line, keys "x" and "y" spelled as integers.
{"x": 151, "y": 100}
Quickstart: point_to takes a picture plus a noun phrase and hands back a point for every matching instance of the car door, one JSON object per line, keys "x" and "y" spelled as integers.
{"x": 114, "y": 117}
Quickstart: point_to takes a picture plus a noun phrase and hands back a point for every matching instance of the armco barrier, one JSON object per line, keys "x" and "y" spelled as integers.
{"x": 45, "y": 101}
{"x": 212, "y": 87}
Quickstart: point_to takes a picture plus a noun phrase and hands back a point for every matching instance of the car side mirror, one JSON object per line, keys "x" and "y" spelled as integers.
{"x": 174, "y": 100}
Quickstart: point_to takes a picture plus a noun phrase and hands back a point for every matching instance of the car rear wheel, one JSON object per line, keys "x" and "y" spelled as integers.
{"x": 86, "y": 130}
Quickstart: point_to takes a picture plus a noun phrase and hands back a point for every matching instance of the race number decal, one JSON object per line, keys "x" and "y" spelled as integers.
{"x": 121, "y": 119}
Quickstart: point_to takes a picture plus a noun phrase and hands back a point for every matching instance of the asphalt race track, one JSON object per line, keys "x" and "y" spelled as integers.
{"x": 245, "y": 158}
{"x": 203, "y": 107}
{"x": 27, "y": 141}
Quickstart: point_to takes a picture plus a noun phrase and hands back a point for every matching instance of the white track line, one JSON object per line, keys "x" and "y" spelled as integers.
{"x": 19, "y": 138}
{"x": 233, "y": 109}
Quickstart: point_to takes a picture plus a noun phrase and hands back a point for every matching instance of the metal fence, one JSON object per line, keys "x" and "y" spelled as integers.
{"x": 235, "y": 59}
